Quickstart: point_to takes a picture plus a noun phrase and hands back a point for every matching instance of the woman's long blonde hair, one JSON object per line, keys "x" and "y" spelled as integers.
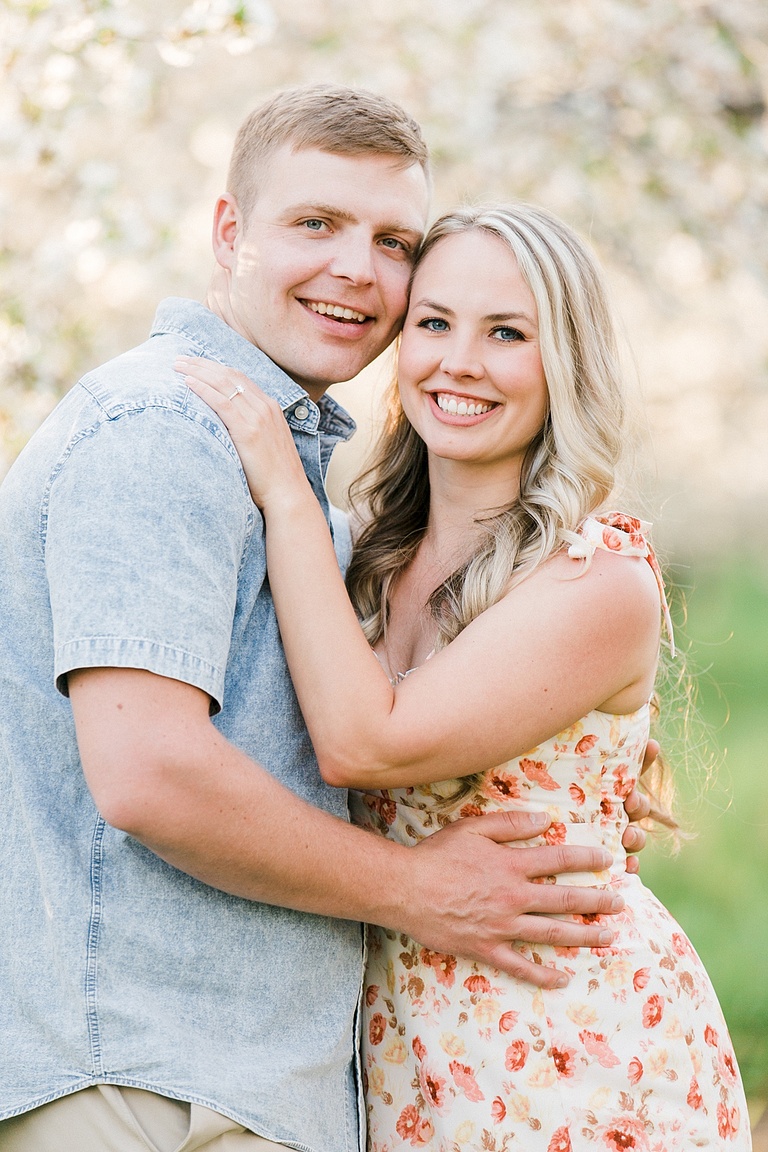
{"x": 570, "y": 469}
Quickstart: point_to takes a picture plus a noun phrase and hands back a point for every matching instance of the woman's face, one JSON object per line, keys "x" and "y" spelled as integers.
{"x": 470, "y": 372}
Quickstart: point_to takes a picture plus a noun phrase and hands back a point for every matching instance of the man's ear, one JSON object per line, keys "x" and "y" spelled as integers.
{"x": 227, "y": 223}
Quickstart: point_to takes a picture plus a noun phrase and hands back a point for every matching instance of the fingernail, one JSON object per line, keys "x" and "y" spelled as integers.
{"x": 617, "y": 904}
{"x": 562, "y": 982}
{"x": 606, "y": 859}
{"x": 539, "y": 819}
{"x": 606, "y": 937}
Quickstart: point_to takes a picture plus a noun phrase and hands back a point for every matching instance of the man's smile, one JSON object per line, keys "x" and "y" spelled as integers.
{"x": 336, "y": 311}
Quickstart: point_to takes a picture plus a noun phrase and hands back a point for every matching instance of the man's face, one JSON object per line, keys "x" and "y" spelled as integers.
{"x": 319, "y": 273}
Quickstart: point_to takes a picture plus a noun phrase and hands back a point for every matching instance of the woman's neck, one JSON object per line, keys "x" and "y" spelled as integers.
{"x": 461, "y": 496}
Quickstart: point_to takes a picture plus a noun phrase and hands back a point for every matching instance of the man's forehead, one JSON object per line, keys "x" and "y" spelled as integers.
{"x": 347, "y": 184}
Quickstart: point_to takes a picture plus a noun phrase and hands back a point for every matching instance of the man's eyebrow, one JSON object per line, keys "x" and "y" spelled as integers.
{"x": 312, "y": 208}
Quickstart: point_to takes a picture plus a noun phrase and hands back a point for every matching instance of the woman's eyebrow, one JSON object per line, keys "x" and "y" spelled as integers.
{"x": 491, "y": 318}
{"x": 500, "y": 317}
{"x": 433, "y": 306}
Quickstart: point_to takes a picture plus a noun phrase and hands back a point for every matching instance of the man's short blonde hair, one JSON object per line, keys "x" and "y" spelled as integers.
{"x": 347, "y": 121}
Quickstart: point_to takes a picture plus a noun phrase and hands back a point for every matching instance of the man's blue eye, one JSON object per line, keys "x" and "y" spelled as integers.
{"x": 313, "y": 225}
{"x": 392, "y": 242}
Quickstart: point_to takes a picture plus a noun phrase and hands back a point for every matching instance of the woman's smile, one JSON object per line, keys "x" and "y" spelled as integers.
{"x": 470, "y": 372}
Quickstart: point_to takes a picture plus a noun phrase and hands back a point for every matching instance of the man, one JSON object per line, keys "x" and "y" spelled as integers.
{"x": 183, "y": 954}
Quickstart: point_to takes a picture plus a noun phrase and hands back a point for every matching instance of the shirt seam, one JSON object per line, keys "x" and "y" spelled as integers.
{"x": 210, "y": 427}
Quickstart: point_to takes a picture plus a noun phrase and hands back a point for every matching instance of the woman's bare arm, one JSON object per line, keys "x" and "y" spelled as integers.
{"x": 552, "y": 650}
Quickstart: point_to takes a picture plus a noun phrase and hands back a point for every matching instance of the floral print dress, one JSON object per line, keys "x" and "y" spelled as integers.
{"x": 633, "y": 1054}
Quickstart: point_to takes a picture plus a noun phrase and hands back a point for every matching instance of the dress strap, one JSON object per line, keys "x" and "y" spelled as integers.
{"x": 617, "y": 532}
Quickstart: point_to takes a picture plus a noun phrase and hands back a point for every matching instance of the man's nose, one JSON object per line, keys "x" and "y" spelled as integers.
{"x": 353, "y": 257}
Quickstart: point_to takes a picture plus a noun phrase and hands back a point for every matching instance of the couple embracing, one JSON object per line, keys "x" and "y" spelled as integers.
{"x": 188, "y": 694}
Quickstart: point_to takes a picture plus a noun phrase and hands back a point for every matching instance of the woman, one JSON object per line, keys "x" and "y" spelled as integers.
{"x": 515, "y": 632}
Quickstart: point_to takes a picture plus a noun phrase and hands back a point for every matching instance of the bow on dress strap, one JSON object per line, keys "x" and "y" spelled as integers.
{"x": 617, "y": 532}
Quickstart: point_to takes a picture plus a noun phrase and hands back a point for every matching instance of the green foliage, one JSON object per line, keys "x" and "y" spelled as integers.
{"x": 717, "y": 886}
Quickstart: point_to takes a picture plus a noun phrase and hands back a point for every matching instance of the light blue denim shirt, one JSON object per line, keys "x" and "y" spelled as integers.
{"x": 128, "y": 539}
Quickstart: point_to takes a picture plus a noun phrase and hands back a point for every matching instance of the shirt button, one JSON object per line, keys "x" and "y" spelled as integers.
{"x": 301, "y": 411}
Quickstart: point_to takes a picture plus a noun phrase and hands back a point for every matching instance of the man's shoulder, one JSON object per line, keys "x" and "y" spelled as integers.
{"x": 144, "y": 376}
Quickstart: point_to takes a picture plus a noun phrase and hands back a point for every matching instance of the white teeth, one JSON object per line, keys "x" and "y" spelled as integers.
{"x": 336, "y": 310}
{"x": 461, "y": 407}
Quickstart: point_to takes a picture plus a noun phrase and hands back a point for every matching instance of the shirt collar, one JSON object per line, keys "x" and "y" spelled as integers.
{"x": 217, "y": 341}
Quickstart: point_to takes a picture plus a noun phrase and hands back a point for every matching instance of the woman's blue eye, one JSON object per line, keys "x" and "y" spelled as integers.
{"x": 434, "y": 324}
{"x": 508, "y": 334}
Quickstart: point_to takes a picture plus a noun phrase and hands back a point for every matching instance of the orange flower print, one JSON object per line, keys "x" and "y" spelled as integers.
{"x": 477, "y": 983}
{"x": 465, "y": 1079}
{"x": 623, "y": 781}
{"x": 561, "y": 1141}
{"x": 641, "y": 978}
{"x": 408, "y": 1122}
{"x": 516, "y": 1055}
{"x": 563, "y": 1061}
{"x": 693, "y": 1099}
{"x": 726, "y": 1066}
{"x": 507, "y": 1021}
{"x": 472, "y": 810}
{"x": 556, "y": 833}
{"x": 727, "y": 1121}
{"x": 442, "y": 964}
{"x": 502, "y": 785}
{"x": 635, "y": 1071}
{"x": 681, "y": 944}
{"x": 415, "y": 987}
{"x": 653, "y": 1010}
{"x": 612, "y": 539}
{"x": 387, "y": 809}
{"x": 498, "y": 1110}
{"x": 627, "y": 1134}
{"x": 432, "y": 1087}
{"x": 586, "y": 744}
{"x": 578, "y": 795}
{"x": 536, "y": 772}
{"x": 424, "y": 1135}
{"x": 597, "y": 1046}
{"x": 377, "y": 1026}
{"x": 458, "y": 1055}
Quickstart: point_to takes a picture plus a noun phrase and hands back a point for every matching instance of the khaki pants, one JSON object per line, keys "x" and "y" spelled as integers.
{"x": 111, "y": 1119}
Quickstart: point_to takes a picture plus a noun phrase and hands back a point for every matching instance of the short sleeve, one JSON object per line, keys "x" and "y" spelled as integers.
{"x": 145, "y": 527}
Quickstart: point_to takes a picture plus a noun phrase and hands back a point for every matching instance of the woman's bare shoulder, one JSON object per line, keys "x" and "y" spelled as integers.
{"x": 610, "y": 586}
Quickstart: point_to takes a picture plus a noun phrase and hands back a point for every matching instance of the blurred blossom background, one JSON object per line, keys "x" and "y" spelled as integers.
{"x": 641, "y": 122}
